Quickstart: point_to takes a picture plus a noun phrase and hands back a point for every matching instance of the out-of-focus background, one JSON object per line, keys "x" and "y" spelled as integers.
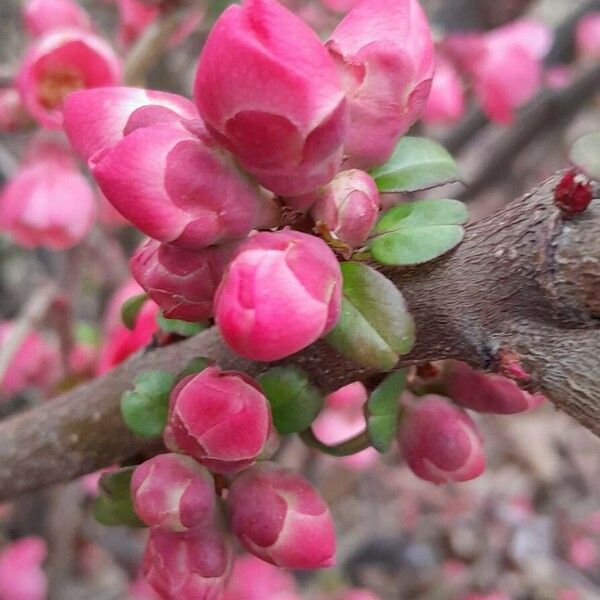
{"x": 528, "y": 528}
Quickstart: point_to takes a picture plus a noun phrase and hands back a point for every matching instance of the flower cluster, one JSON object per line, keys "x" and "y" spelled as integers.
{"x": 200, "y": 178}
{"x": 221, "y": 420}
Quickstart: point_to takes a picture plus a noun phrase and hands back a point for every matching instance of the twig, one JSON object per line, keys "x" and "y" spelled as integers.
{"x": 152, "y": 44}
{"x": 523, "y": 279}
{"x": 34, "y": 312}
{"x": 550, "y": 110}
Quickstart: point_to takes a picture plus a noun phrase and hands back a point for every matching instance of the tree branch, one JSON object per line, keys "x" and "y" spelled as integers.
{"x": 523, "y": 279}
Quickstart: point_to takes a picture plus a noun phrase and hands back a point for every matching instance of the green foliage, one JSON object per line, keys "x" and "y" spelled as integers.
{"x": 416, "y": 232}
{"x": 182, "y": 328}
{"x": 113, "y": 506}
{"x": 416, "y": 164}
{"x": 375, "y": 327}
{"x": 145, "y": 408}
{"x": 295, "y": 402}
{"x": 131, "y": 309}
{"x": 382, "y": 411}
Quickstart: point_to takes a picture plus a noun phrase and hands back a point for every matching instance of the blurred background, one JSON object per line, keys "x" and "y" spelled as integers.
{"x": 529, "y": 528}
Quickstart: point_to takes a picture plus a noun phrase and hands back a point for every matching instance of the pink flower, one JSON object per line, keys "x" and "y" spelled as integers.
{"x": 384, "y": 52}
{"x": 96, "y": 120}
{"x": 48, "y": 202}
{"x": 221, "y": 418}
{"x": 349, "y": 206}
{"x": 182, "y": 282}
{"x": 343, "y": 418}
{"x": 280, "y": 293}
{"x": 446, "y": 102}
{"x": 487, "y": 392}
{"x": 583, "y": 553}
{"x": 173, "y": 492}
{"x": 268, "y": 90}
{"x": 587, "y": 37}
{"x": 440, "y": 442}
{"x": 254, "y": 579}
{"x": 505, "y": 65}
{"x": 180, "y": 188}
{"x": 135, "y": 17}
{"x": 62, "y": 62}
{"x": 121, "y": 342}
{"x": 42, "y": 16}
{"x": 36, "y": 363}
{"x": 279, "y": 517}
{"x": 12, "y": 114}
{"x": 559, "y": 77}
{"x": 193, "y": 565}
{"x": 21, "y": 574}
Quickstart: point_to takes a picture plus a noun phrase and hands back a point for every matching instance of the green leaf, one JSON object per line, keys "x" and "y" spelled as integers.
{"x": 416, "y": 164}
{"x": 145, "y": 408}
{"x": 87, "y": 334}
{"x": 585, "y": 154}
{"x": 131, "y": 308}
{"x": 182, "y": 328}
{"x": 375, "y": 327}
{"x": 113, "y": 506}
{"x": 194, "y": 366}
{"x": 295, "y": 402}
{"x": 382, "y": 410}
{"x": 416, "y": 232}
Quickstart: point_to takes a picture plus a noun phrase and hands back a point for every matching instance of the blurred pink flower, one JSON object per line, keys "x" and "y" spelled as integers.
{"x": 42, "y": 16}
{"x": 587, "y": 37}
{"x": 21, "y": 574}
{"x": 60, "y": 62}
{"x": 446, "y": 102}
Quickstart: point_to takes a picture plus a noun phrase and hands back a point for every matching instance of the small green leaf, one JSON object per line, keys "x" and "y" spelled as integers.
{"x": 416, "y": 164}
{"x": 182, "y": 328}
{"x": 113, "y": 506}
{"x": 295, "y": 402}
{"x": 145, "y": 408}
{"x": 382, "y": 410}
{"x": 87, "y": 334}
{"x": 585, "y": 154}
{"x": 131, "y": 309}
{"x": 194, "y": 366}
{"x": 416, "y": 232}
{"x": 375, "y": 327}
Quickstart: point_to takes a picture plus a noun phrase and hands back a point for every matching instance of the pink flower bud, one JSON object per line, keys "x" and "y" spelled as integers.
{"x": 48, "y": 203}
{"x": 279, "y": 517}
{"x": 221, "y": 418}
{"x": 98, "y": 119}
{"x": 587, "y": 37}
{"x": 254, "y": 579}
{"x": 42, "y": 16}
{"x": 193, "y": 565}
{"x": 121, "y": 342}
{"x": 281, "y": 293}
{"x": 446, "y": 102}
{"x": 487, "y": 392}
{"x": 268, "y": 90}
{"x": 173, "y": 492}
{"x": 583, "y": 553}
{"x": 384, "y": 51}
{"x": 349, "y": 206}
{"x": 180, "y": 188}
{"x": 182, "y": 282}
{"x": 36, "y": 363}
{"x": 440, "y": 442}
{"x": 12, "y": 113}
{"x": 62, "y": 62}
{"x": 21, "y": 574}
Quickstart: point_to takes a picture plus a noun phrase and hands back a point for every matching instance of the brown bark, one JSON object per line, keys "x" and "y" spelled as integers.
{"x": 523, "y": 280}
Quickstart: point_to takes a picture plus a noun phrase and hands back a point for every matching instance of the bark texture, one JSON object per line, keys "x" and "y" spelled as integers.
{"x": 523, "y": 280}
